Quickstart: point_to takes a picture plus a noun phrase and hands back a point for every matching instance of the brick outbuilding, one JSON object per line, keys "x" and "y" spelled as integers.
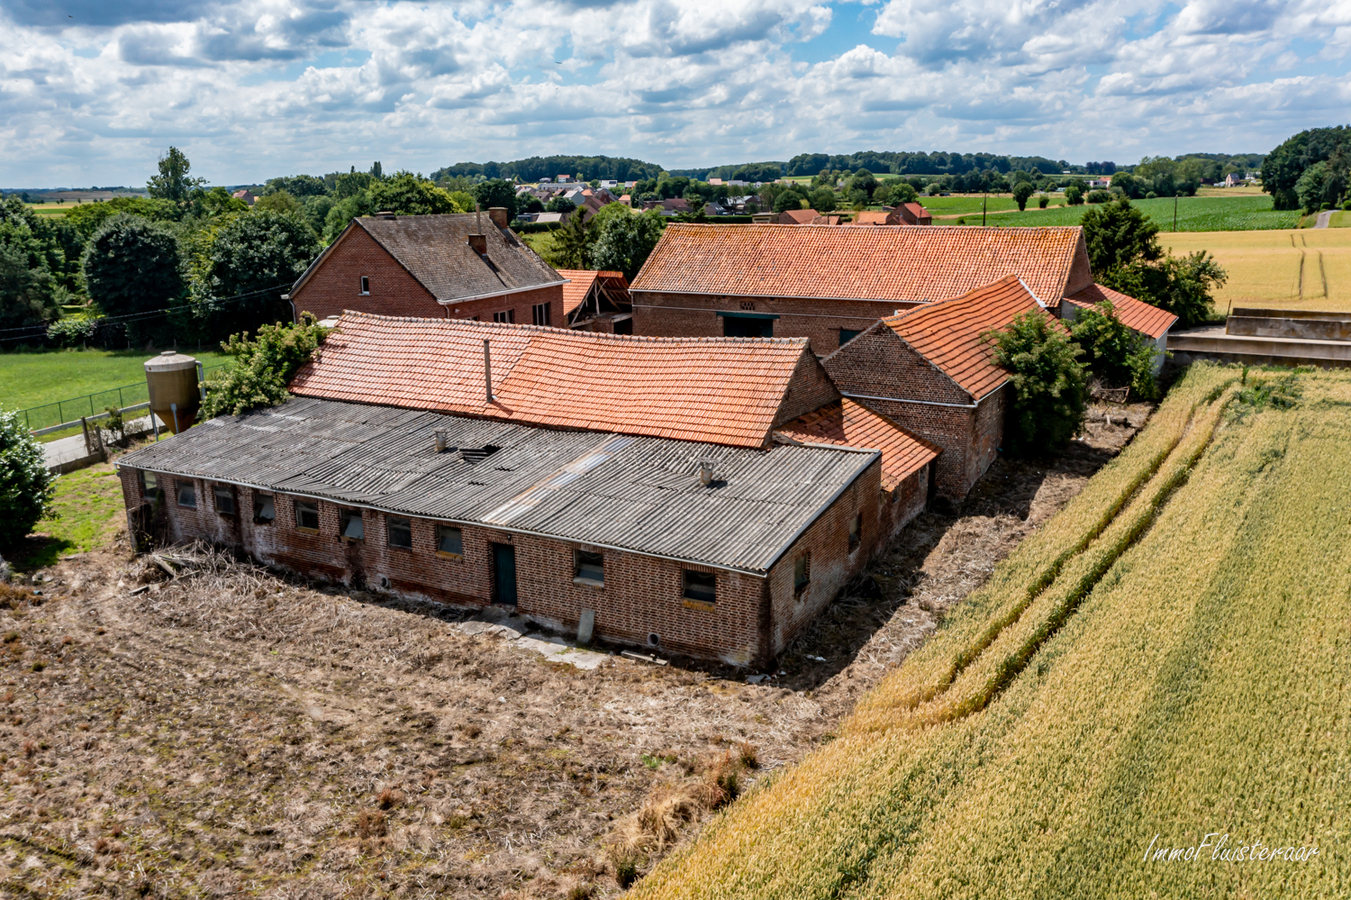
{"x": 466, "y": 266}
{"x": 931, "y": 369}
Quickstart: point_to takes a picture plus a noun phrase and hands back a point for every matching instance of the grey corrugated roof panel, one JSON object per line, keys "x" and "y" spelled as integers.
{"x": 634, "y": 493}
{"x": 436, "y": 251}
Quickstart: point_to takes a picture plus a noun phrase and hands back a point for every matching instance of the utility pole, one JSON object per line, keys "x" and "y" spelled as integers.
{"x": 1174, "y": 212}
{"x": 985, "y": 201}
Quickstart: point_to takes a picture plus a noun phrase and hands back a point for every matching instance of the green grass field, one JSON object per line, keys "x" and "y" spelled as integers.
{"x": 87, "y": 503}
{"x": 1238, "y": 213}
{"x": 1162, "y": 666}
{"x": 29, "y": 379}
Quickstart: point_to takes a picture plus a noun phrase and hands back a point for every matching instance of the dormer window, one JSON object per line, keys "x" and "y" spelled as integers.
{"x": 365, "y": 285}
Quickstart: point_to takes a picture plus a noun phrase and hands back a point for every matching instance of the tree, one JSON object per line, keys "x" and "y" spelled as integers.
{"x": 90, "y": 217}
{"x": 560, "y": 205}
{"x": 1021, "y": 192}
{"x": 1116, "y": 354}
{"x": 263, "y": 367}
{"x": 1118, "y": 234}
{"x": 1049, "y": 385}
{"x": 1182, "y": 285}
{"x": 27, "y": 486}
{"x": 1074, "y": 195}
{"x": 296, "y": 186}
{"x": 1284, "y": 166}
{"x": 345, "y": 211}
{"x": 250, "y": 263}
{"x": 572, "y": 244}
{"x": 823, "y": 199}
{"x": 496, "y": 193}
{"x": 863, "y": 180}
{"x": 172, "y": 183}
{"x": 131, "y": 266}
{"x": 625, "y": 242}
{"x": 1324, "y": 182}
{"x": 789, "y": 199}
{"x": 279, "y": 201}
{"x": 349, "y": 184}
{"x": 28, "y": 295}
{"x": 408, "y": 195}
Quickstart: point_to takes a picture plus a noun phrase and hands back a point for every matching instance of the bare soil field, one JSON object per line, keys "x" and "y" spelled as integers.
{"x": 236, "y": 731}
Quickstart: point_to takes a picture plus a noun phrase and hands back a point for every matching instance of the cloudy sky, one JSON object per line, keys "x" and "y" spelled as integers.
{"x": 93, "y": 90}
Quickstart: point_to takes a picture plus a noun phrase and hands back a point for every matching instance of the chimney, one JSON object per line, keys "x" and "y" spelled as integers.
{"x": 386, "y": 214}
{"x": 477, "y": 239}
{"x": 488, "y": 370}
{"x": 440, "y": 441}
{"x": 706, "y": 472}
{"x": 499, "y": 216}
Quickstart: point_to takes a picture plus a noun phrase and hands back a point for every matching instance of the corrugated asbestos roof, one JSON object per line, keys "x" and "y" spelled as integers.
{"x": 721, "y": 390}
{"x": 848, "y": 423}
{"x": 951, "y": 334}
{"x": 887, "y": 262}
{"x": 435, "y": 250}
{"x": 634, "y": 493}
{"x": 1134, "y": 314}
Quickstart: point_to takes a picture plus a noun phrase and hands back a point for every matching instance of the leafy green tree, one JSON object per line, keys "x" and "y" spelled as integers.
{"x": 624, "y": 242}
{"x": 316, "y": 210}
{"x": 789, "y": 199}
{"x": 863, "y": 180}
{"x": 88, "y": 218}
{"x": 1323, "y": 182}
{"x": 343, "y": 212}
{"x": 560, "y": 205}
{"x": 1050, "y": 392}
{"x": 135, "y": 266}
{"x": 349, "y": 184}
{"x": 824, "y": 200}
{"x": 1118, "y": 234}
{"x": 1132, "y": 187}
{"x": 252, "y": 261}
{"x": 216, "y": 202}
{"x": 281, "y": 202}
{"x": 1284, "y": 166}
{"x": 29, "y": 296}
{"x": 1074, "y": 195}
{"x": 408, "y": 195}
{"x": 1021, "y": 192}
{"x": 27, "y": 487}
{"x": 496, "y": 192}
{"x": 296, "y": 185}
{"x": 1116, "y": 354}
{"x": 172, "y": 183}
{"x": 263, "y": 368}
{"x": 1182, "y": 285}
{"x": 572, "y": 244}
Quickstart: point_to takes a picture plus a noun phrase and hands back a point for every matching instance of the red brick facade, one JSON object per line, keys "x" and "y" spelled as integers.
{"x": 696, "y": 315}
{"x": 335, "y": 286}
{"x": 642, "y": 596}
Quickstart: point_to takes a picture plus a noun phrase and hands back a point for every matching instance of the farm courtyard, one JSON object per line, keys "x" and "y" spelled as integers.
{"x": 231, "y": 731}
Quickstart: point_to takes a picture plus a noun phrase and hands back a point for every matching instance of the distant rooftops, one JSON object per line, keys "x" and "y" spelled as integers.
{"x": 720, "y": 390}
{"x": 884, "y": 263}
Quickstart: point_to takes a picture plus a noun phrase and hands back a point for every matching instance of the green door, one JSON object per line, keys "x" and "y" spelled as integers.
{"x": 504, "y": 574}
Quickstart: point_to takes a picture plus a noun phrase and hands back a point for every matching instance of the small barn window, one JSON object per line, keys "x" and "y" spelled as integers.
{"x": 307, "y": 515}
{"x": 541, "y": 313}
{"x": 350, "y": 525}
{"x": 506, "y": 315}
{"x": 187, "y": 495}
{"x": 400, "y": 532}
{"x": 855, "y": 532}
{"x": 589, "y": 567}
{"x": 701, "y": 586}
{"x": 847, "y": 335}
{"x": 449, "y": 540}
{"x": 150, "y": 488}
{"x": 263, "y": 510}
{"x": 365, "y": 285}
{"x": 802, "y": 573}
{"x": 225, "y": 499}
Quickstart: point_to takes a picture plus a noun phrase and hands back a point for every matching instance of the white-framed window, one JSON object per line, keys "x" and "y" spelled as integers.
{"x": 365, "y": 285}
{"x": 506, "y": 315}
{"x": 541, "y": 312}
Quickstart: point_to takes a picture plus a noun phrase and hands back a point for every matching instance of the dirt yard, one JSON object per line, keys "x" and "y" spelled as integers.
{"x": 233, "y": 731}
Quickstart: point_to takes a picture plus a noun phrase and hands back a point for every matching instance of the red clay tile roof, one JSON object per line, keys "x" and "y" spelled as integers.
{"x": 886, "y": 262}
{"x": 848, "y": 423}
{"x": 716, "y": 390}
{"x": 950, "y": 334}
{"x": 871, "y": 217}
{"x": 797, "y": 216}
{"x": 580, "y": 283}
{"x": 1134, "y": 314}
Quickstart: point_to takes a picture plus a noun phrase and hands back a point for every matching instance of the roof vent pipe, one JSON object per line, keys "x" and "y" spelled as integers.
{"x": 478, "y": 240}
{"x": 488, "y": 370}
{"x": 705, "y": 472}
{"x": 440, "y": 441}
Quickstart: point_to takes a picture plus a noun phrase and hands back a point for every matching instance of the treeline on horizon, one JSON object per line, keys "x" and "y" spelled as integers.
{"x": 879, "y": 162}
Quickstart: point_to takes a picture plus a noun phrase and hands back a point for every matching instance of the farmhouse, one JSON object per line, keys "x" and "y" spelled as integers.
{"x": 829, "y": 284}
{"x": 1148, "y": 321}
{"x": 931, "y": 370}
{"x": 468, "y": 266}
{"x": 708, "y": 497}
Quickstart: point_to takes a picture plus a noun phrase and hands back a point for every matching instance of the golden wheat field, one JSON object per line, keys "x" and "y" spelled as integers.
{"x": 1150, "y": 698}
{"x": 1304, "y": 269}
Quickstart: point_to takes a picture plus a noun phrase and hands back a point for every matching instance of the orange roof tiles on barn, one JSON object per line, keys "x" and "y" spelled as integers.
{"x": 716, "y": 390}
{"x": 1134, "y": 314}
{"x": 580, "y": 284}
{"x": 797, "y": 216}
{"x": 871, "y": 217}
{"x": 951, "y": 334}
{"x": 887, "y": 262}
{"x": 848, "y": 423}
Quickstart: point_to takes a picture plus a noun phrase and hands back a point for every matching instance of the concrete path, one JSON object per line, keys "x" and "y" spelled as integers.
{"x": 1324, "y": 218}
{"x": 70, "y": 449}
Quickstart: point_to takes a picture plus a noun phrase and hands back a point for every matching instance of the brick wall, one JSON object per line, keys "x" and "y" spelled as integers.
{"x": 660, "y": 314}
{"x": 1081, "y": 273}
{"x": 900, "y": 507}
{"x": 809, "y": 389}
{"x": 641, "y": 595}
{"x": 336, "y": 284}
{"x": 878, "y": 363}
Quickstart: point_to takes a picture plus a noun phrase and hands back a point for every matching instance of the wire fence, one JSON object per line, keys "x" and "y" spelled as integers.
{"x": 47, "y": 415}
